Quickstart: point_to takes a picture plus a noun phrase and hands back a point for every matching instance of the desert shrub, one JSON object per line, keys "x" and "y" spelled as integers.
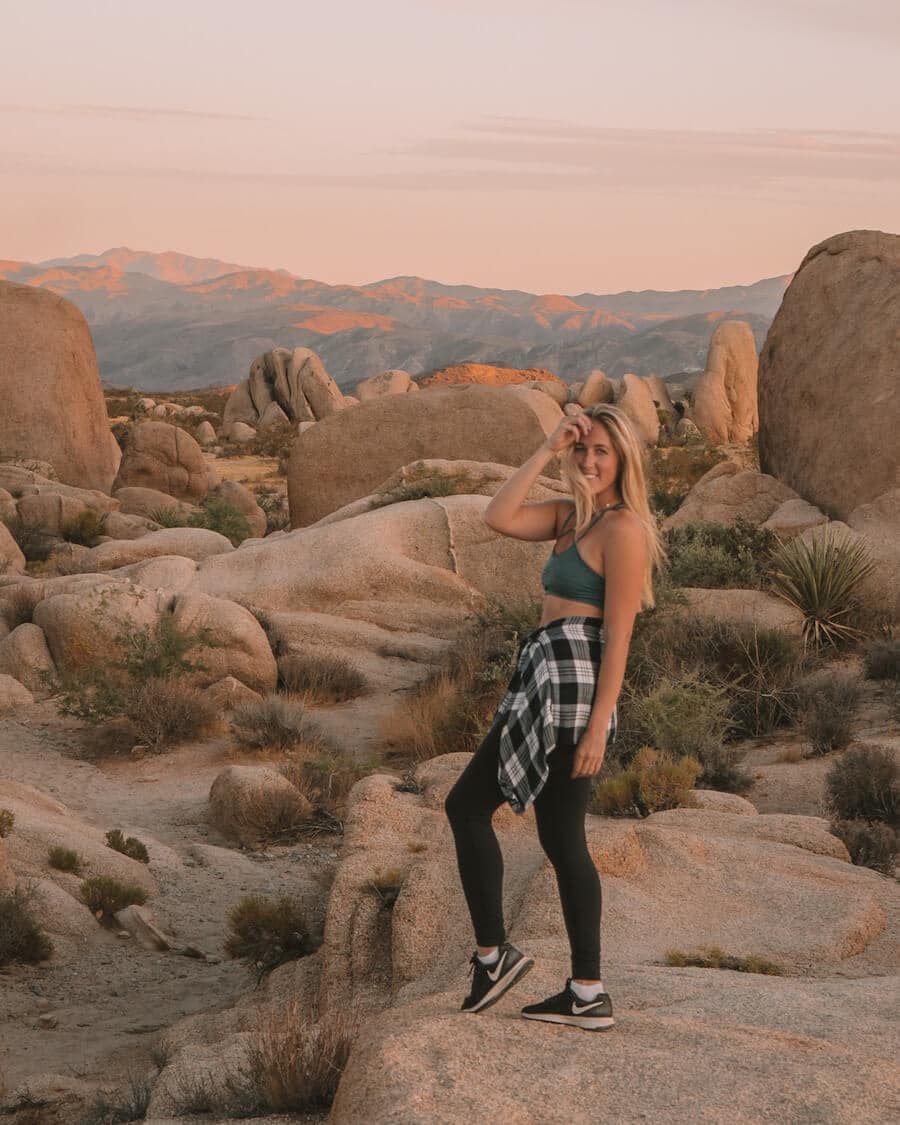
{"x": 676, "y": 469}
{"x": 161, "y": 650}
{"x": 872, "y": 845}
{"x": 296, "y": 1066}
{"x": 829, "y": 702}
{"x": 864, "y": 784}
{"x": 718, "y": 555}
{"x": 274, "y": 504}
{"x": 421, "y": 482}
{"x": 21, "y": 938}
{"x": 452, "y": 709}
{"x": 881, "y": 659}
{"x": 265, "y": 933}
{"x": 665, "y": 503}
{"x": 128, "y": 1103}
{"x": 386, "y": 886}
{"x": 714, "y": 958}
{"x": 321, "y": 677}
{"x": 271, "y": 815}
{"x": 127, "y": 845}
{"x": 86, "y": 528}
{"x": 821, "y": 579}
{"x": 7, "y": 822}
{"x": 36, "y": 545}
{"x": 652, "y": 782}
{"x": 273, "y": 441}
{"x": 169, "y": 516}
{"x": 325, "y": 779}
{"x": 274, "y": 723}
{"x": 105, "y": 896}
{"x": 165, "y": 711}
{"x": 214, "y": 514}
{"x": 92, "y": 696}
{"x": 64, "y": 859}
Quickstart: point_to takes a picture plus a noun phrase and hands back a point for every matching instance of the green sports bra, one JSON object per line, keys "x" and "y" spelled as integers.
{"x": 567, "y": 575}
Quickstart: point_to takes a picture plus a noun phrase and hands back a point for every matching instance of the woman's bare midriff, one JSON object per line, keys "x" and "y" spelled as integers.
{"x": 553, "y": 608}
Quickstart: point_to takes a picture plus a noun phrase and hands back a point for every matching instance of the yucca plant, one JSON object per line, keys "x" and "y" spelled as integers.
{"x": 821, "y": 578}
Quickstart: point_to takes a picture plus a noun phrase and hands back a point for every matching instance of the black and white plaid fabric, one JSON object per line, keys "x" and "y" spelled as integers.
{"x": 551, "y": 693}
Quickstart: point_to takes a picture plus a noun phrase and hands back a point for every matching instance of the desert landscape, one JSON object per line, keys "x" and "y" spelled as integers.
{"x": 251, "y": 633}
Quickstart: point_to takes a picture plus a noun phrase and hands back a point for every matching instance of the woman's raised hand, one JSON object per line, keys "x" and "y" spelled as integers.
{"x": 572, "y": 428}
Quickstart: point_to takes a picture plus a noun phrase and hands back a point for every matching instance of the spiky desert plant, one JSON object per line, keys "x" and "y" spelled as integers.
{"x": 821, "y": 579}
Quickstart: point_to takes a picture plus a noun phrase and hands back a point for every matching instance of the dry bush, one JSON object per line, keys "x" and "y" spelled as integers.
{"x": 127, "y": 845}
{"x": 882, "y": 659}
{"x": 870, "y": 845}
{"x": 165, "y": 710}
{"x": 321, "y": 677}
{"x": 129, "y": 1103}
{"x": 791, "y": 754}
{"x": 714, "y": 958}
{"x": 64, "y": 859}
{"x": 21, "y": 938}
{"x": 105, "y": 896}
{"x": 265, "y": 933}
{"x": 7, "y": 822}
{"x": 325, "y": 777}
{"x": 274, "y": 723}
{"x": 829, "y": 702}
{"x": 386, "y": 886}
{"x": 297, "y": 1066}
{"x": 864, "y": 784}
{"x": 86, "y": 528}
{"x": 272, "y": 816}
{"x": 654, "y": 781}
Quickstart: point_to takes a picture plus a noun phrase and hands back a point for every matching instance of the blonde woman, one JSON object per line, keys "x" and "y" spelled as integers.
{"x": 552, "y": 728}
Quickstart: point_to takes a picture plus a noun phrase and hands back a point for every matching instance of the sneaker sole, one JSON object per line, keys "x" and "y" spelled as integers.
{"x": 503, "y": 985}
{"x": 586, "y": 1023}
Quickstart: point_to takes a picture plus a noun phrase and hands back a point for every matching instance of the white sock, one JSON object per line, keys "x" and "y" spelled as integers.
{"x": 489, "y": 958}
{"x": 587, "y": 991}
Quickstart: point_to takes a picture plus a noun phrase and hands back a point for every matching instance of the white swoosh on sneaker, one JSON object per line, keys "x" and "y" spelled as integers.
{"x": 495, "y": 976}
{"x": 580, "y": 1009}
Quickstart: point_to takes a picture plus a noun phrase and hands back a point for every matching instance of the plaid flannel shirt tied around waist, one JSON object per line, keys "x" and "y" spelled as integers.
{"x": 549, "y": 697}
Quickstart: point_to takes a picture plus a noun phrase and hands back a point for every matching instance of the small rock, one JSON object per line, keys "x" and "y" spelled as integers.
{"x": 48, "y": 1021}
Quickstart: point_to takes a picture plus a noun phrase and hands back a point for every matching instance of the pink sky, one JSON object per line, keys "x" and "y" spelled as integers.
{"x": 579, "y": 145}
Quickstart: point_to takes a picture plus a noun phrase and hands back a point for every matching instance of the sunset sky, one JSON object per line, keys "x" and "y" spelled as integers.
{"x": 555, "y": 147}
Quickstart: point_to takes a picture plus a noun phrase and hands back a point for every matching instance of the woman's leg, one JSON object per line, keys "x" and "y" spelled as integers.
{"x": 560, "y": 809}
{"x": 470, "y": 805}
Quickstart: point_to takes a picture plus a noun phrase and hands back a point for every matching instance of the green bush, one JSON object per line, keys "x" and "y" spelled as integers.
{"x": 421, "y": 482}
{"x": 882, "y": 659}
{"x": 822, "y": 579}
{"x": 273, "y": 441}
{"x": 21, "y": 938}
{"x": 105, "y": 896}
{"x": 718, "y": 555}
{"x": 214, "y": 514}
{"x": 870, "y": 845}
{"x": 829, "y": 703}
{"x": 161, "y": 651}
{"x": 265, "y": 933}
{"x": 654, "y": 781}
{"x": 274, "y": 723}
{"x": 86, "y": 528}
{"x": 864, "y": 784}
{"x": 321, "y": 677}
{"x": 64, "y": 859}
{"x": 7, "y": 822}
{"x": 127, "y": 845}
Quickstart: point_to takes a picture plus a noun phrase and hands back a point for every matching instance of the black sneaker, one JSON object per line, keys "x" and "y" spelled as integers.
{"x": 489, "y": 982}
{"x": 566, "y": 1007}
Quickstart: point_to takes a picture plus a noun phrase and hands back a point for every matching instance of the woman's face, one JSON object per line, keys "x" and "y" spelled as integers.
{"x": 597, "y": 459}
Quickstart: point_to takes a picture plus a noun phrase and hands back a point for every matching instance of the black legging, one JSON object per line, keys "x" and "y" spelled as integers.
{"x": 560, "y": 811}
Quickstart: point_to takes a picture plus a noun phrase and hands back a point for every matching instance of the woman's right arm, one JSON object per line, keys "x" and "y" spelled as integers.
{"x": 508, "y": 513}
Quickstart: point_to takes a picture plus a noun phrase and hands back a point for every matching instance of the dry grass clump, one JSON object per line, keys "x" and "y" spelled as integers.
{"x": 881, "y": 659}
{"x": 325, "y": 777}
{"x": 275, "y": 723}
{"x": 214, "y": 514}
{"x": 452, "y": 709}
{"x": 321, "y": 677}
{"x": 714, "y": 958}
{"x": 105, "y": 896}
{"x": 652, "y": 782}
{"x": 127, "y": 845}
{"x": 297, "y": 1066}
{"x": 829, "y": 702}
{"x": 265, "y": 933}
{"x": 421, "y": 482}
{"x": 165, "y": 711}
{"x": 128, "y": 1103}
{"x": 7, "y": 822}
{"x": 386, "y": 886}
{"x": 21, "y": 938}
{"x": 64, "y": 859}
{"x": 870, "y": 845}
{"x": 86, "y": 528}
{"x": 272, "y": 816}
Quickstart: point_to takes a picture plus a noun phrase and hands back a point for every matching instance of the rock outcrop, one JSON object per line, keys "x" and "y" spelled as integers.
{"x": 636, "y": 399}
{"x": 165, "y": 458}
{"x": 53, "y": 407}
{"x": 829, "y": 412}
{"x": 729, "y": 490}
{"x": 456, "y": 423}
{"x": 294, "y": 381}
{"x": 393, "y": 382}
{"x": 724, "y": 407}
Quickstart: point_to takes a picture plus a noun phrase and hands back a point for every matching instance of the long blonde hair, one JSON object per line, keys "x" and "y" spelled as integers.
{"x": 631, "y": 482}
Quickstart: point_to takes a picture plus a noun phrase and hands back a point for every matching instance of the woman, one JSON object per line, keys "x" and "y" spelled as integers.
{"x": 550, "y": 734}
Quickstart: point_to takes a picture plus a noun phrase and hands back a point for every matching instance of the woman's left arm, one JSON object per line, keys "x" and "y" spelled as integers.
{"x": 624, "y": 559}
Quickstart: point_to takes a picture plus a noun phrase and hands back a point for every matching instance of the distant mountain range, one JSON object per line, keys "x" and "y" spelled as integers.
{"x": 172, "y": 322}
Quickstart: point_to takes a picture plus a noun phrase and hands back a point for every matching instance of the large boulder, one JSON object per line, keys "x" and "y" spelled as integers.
{"x": 295, "y": 382}
{"x": 596, "y": 388}
{"x": 240, "y": 497}
{"x": 724, "y": 405}
{"x": 636, "y": 399}
{"x": 166, "y": 458}
{"x": 829, "y": 412}
{"x": 458, "y": 423}
{"x": 393, "y": 382}
{"x": 12, "y": 561}
{"x": 241, "y": 797}
{"x": 235, "y": 644}
{"x": 53, "y": 406}
{"x": 729, "y": 490}
{"x": 25, "y": 656}
{"x": 13, "y": 694}
{"x": 188, "y": 542}
{"x": 147, "y": 502}
{"x": 753, "y": 608}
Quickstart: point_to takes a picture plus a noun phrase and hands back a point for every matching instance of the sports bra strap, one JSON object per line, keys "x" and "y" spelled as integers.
{"x": 599, "y": 516}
